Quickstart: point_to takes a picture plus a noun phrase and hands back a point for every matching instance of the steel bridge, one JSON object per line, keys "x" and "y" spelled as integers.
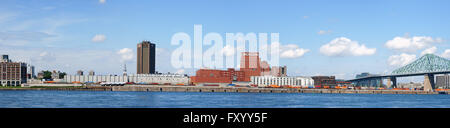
{"x": 427, "y": 65}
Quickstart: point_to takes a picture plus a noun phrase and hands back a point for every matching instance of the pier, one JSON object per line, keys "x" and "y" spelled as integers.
{"x": 165, "y": 88}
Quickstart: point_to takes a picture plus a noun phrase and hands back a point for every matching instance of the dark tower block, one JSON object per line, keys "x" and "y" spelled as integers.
{"x": 146, "y": 58}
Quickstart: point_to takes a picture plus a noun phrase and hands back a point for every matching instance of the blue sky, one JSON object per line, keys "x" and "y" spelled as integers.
{"x": 59, "y": 34}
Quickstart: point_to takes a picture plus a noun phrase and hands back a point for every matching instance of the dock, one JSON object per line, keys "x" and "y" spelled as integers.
{"x": 165, "y": 88}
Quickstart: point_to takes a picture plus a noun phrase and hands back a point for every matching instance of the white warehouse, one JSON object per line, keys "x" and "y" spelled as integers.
{"x": 263, "y": 81}
{"x": 172, "y": 79}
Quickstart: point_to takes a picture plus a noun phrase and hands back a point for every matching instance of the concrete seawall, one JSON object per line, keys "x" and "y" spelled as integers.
{"x": 146, "y": 88}
{"x": 262, "y": 90}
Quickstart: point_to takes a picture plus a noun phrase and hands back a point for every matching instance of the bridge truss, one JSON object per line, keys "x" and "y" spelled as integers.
{"x": 426, "y": 64}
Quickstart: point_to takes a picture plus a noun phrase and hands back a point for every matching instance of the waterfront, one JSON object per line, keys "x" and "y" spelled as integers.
{"x": 113, "y": 99}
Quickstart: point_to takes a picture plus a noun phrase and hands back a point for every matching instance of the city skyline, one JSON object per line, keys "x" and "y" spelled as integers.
{"x": 100, "y": 35}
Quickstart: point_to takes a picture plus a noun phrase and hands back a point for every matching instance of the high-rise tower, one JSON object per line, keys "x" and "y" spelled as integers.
{"x": 250, "y": 64}
{"x": 146, "y": 58}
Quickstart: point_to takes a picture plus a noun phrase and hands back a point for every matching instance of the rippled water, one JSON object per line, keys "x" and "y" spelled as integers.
{"x": 107, "y": 99}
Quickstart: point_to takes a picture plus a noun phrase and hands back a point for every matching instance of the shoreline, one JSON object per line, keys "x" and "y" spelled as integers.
{"x": 162, "y": 88}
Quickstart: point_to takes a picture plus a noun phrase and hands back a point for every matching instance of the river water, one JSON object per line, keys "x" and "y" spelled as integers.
{"x": 108, "y": 99}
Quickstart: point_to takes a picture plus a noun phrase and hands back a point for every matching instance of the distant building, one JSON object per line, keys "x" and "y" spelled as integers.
{"x": 31, "y": 72}
{"x": 91, "y": 73}
{"x": 219, "y": 77}
{"x": 443, "y": 81}
{"x": 340, "y": 82}
{"x": 250, "y": 64}
{"x": 146, "y": 57}
{"x": 5, "y": 58}
{"x": 365, "y": 74}
{"x": 55, "y": 74}
{"x": 264, "y": 81}
{"x": 80, "y": 72}
{"x": 410, "y": 85}
{"x": 40, "y": 75}
{"x": 324, "y": 81}
{"x": 12, "y": 73}
{"x": 368, "y": 83}
{"x": 265, "y": 69}
{"x": 156, "y": 79}
{"x": 277, "y": 71}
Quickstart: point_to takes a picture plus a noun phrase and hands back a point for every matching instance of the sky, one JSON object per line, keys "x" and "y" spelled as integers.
{"x": 320, "y": 37}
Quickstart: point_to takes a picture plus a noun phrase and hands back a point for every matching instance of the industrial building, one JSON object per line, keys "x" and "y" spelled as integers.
{"x": 410, "y": 85}
{"x": 322, "y": 81}
{"x": 368, "y": 83}
{"x": 443, "y": 81}
{"x": 265, "y": 81}
{"x": 217, "y": 77}
{"x": 341, "y": 82}
{"x": 278, "y": 71}
{"x": 55, "y": 74}
{"x": 92, "y": 73}
{"x": 80, "y": 72}
{"x": 12, "y": 73}
{"x": 168, "y": 79}
{"x": 146, "y": 57}
{"x": 250, "y": 65}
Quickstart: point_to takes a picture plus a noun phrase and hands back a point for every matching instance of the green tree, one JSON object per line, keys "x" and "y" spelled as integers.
{"x": 61, "y": 75}
{"x": 47, "y": 74}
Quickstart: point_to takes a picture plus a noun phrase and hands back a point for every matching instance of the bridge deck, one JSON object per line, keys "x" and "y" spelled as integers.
{"x": 399, "y": 75}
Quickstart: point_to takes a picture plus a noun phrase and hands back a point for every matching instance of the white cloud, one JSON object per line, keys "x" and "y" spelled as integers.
{"x": 305, "y": 17}
{"x": 345, "y": 47}
{"x": 401, "y": 60}
{"x": 228, "y": 50}
{"x": 43, "y": 54}
{"x": 48, "y": 8}
{"x": 48, "y": 24}
{"x": 292, "y": 51}
{"x": 126, "y": 54}
{"x": 407, "y": 44}
{"x": 44, "y": 57}
{"x": 4, "y": 17}
{"x": 99, "y": 38}
{"x": 431, "y": 50}
{"x": 285, "y": 51}
{"x": 102, "y": 1}
{"x": 180, "y": 71}
{"x": 323, "y": 32}
{"x": 20, "y": 38}
{"x": 160, "y": 51}
{"x": 446, "y": 53}
{"x": 22, "y": 30}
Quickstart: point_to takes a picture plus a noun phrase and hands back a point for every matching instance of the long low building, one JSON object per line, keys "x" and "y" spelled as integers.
{"x": 263, "y": 81}
{"x": 173, "y": 79}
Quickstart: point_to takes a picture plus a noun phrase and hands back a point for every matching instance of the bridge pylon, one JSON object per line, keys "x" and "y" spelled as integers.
{"x": 428, "y": 82}
{"x": 394, "y": 82}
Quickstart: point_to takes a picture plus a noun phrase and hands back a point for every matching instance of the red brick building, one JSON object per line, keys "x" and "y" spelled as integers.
{"x": 12, "y": 73}
{"x": 217, "y": 76}
{"x": 320, "y": 81}
{"x": 249, "y": 66}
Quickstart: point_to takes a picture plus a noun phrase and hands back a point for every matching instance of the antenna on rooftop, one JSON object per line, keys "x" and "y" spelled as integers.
{"x": 124, "y": 69}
